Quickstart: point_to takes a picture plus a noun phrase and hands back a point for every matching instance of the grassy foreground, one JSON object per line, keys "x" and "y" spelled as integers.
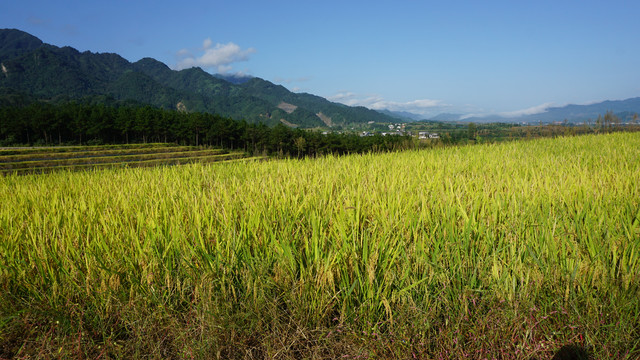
{"x": 496, "y": 251}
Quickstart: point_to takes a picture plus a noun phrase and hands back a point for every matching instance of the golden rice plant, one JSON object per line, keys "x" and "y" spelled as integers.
{"x": 408, "y": 253}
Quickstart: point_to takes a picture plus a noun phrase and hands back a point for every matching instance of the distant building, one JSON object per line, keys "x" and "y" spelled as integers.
{"x": 427, "y": 135}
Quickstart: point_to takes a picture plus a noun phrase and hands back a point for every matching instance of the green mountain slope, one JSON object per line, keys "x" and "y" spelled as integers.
{"x": 14, "y": 43}
{"x": 34, "y": 69}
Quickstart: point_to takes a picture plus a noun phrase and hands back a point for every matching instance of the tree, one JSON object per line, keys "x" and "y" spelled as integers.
{"x": 472, "y": 129}
{"x": 280, "y": 138}
{"x": 610, "y": 119}
{"x": 300, "y": 144}
{"x": 124, "y": 120}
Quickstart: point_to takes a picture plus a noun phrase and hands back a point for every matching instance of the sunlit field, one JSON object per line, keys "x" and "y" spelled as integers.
{"x": 502, "y": 251}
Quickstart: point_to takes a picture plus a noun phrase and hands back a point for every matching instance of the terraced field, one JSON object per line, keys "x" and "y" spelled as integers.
{"x": 48, "y": 159}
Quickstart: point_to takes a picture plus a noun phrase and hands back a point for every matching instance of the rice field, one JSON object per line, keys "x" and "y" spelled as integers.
{"x": 504, "y": 251}
{"x": 49, "y": 159}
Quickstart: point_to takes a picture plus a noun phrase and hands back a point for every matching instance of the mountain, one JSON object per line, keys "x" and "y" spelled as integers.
{"x": 403, "y": 115}
{"x": 234, "y": 78}
{"x": 411, "y": 117}
{"x": 624, "y": 109}
{"x": 14, "y": 43}
{"x": 581, "y": 113}
{"x": 446, "y": 117}
{"x": 31, "y": 69}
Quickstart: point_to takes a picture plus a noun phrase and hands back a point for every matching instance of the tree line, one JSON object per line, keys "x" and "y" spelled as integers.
{"x": 42, "y": 123}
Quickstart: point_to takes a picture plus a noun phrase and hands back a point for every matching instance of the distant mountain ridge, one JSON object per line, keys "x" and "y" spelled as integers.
{"x": 34, "y": 69}
{"x": 403, "y": 115}
{"x": 624, "y": 109}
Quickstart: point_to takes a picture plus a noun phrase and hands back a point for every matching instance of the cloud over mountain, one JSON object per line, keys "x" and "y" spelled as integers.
{"x": 218, "y": 56}
{"x": 377, "y": 102}
{"x": 539, "y": 109}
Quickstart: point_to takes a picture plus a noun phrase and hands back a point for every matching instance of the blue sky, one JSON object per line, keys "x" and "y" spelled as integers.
{"x": 427, "y": 57}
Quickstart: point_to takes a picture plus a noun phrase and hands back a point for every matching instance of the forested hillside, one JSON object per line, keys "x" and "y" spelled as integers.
{"x": 74, "y": 123}
{"x": 38, "y": 70}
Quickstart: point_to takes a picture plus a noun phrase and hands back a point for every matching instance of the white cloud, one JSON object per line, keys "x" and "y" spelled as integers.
{"x": 377, "y": 102}
{"x": 184, "y": 53}
{"x": 220, "y": 56}
{"x": 347, "y": 98}
{"x": 529, "y": 111}
{"x": 222, "y": 69}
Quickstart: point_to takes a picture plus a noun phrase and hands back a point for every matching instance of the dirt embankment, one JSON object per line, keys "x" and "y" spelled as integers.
{"x": 325, "y": 119}
{"x": 292, "y": 125}
{"x": 288, "y": 108}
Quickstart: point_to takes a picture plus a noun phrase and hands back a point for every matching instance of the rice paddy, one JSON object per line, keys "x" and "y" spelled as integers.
{"x": 504, "y": 251}
{"x": 48, "y": 159}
